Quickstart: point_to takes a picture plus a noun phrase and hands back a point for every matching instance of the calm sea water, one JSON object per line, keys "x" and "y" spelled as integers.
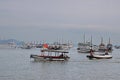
{"x": 15, "y": 64}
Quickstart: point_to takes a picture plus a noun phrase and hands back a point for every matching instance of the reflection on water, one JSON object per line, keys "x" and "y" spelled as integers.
{"x": 17, "y": 65}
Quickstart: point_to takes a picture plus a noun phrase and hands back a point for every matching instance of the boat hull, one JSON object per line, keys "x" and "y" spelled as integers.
{"x": 48, "y": 58}
{"x": 83, "y": 51}
{"x": 100, "y": 56}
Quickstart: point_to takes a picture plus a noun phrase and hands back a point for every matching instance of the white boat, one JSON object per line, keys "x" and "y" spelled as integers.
{"x": 99, "y": 55}
{"x": 66, "y": 46}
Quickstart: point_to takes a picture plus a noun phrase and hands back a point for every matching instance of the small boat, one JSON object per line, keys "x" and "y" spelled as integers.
{"x": 99, "y": 55}
{"x": 117, "y": 47}
{"x": 27, "y": 46}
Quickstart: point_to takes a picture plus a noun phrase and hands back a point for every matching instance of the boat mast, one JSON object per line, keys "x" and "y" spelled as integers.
{"x": 109, "y": 40}
{"x": 91, "y": 42}
{"x": 84, "y": 38}
{"x": 101, "y": 40}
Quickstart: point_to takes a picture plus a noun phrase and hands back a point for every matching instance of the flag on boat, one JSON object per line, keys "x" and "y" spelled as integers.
{"x": 45, "y": 45}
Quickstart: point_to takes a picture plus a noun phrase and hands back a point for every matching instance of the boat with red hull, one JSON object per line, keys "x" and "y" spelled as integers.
{"x": 51, "y": 55}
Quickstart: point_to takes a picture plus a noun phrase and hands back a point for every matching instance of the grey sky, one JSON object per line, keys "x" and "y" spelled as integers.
{"x": 52, "y": 19}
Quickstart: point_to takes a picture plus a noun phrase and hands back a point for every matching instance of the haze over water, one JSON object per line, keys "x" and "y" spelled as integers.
{"x": 51, "y": 20}
{"x": 17, "y": 65}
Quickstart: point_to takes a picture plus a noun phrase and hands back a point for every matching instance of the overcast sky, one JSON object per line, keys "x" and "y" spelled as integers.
{"x": 53, "y": 20}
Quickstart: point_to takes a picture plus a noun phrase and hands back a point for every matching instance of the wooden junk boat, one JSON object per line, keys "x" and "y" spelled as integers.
{"x": 51, "y": 55}
{"x": 99, "y": 55}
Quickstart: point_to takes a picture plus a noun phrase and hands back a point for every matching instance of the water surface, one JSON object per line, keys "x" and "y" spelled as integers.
{"x": 15, "y": 64}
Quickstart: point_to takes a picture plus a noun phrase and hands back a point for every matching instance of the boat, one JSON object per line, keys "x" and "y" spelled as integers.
{"x": 117, "y": 47}
{"x": 7, "y": 46}
{"x": 51, "y": 55}
{"x": 109, "y": 46}
{"x": 26, "y": 46}
{"x": 85, "y": 47}
{"x": 99, "y": 55}
{"x": 38, "y": 45}
{"x": 102, "y": 46}
{"x": 58, "y": 45}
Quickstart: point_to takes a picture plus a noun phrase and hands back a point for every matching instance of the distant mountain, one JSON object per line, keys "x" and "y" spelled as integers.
{"x": 11, "y": 41}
